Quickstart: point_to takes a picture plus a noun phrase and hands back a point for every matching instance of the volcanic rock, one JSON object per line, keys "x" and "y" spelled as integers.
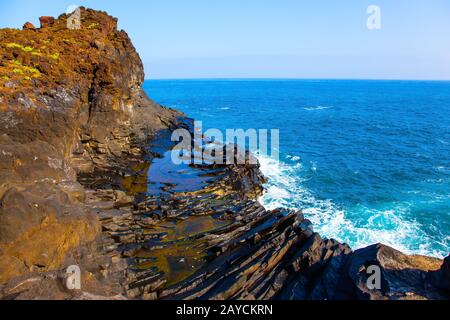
{"x": 64, "y": 91}
{"x": 402, "y": 276}
{"x": 29, "y": 26}
{"x": 46, "y": 21}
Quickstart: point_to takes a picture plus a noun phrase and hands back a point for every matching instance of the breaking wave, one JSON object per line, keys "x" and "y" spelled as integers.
{"x": 366, "y": 226}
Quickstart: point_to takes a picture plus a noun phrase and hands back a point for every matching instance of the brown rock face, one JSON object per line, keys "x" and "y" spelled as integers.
{"x": 29, "y": 26}
{"x": 46, "y": 21}
{"x": 70, "y": 102}
{"x": 39, "y": 236}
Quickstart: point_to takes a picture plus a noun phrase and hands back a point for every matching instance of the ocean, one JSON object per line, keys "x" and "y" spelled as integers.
{"x": 366, "y": 161}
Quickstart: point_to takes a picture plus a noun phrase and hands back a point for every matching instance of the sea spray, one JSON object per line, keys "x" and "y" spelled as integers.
{"x": 285, "y": 189}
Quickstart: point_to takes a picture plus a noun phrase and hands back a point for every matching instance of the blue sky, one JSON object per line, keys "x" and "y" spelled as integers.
{"x": 272, "y": 39}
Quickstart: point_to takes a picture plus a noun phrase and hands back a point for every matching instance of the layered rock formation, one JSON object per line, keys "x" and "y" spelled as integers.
{"x": 84, "y": 181}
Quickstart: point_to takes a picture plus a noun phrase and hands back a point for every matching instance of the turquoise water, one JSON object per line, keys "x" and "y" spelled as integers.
{"x": 367, "y": 161}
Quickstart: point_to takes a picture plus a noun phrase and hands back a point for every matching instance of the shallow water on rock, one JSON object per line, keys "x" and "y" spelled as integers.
{"x": 161, "y": 175}
{"x": 179, "y": 254}
{"x": 165, "y": 176}
{"x": 176, "y": 249}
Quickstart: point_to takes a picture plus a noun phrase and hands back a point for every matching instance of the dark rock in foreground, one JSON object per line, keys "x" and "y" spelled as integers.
{"x": 78, "y": 139}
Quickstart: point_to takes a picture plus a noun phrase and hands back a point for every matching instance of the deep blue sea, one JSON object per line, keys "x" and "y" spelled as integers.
{"x": 366, "y": 161}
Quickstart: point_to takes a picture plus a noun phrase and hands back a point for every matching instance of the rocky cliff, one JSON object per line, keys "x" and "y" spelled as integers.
{"x": 79, "y": 144}
{"x": 70, "y": 102}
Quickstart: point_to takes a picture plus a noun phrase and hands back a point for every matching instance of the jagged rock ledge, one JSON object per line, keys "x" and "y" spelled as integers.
{"x": 78, "y": 142}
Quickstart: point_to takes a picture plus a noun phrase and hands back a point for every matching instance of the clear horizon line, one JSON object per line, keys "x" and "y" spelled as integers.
{"x": 293, "y": 78}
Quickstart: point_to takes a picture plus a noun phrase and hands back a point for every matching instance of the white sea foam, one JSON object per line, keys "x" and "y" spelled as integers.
{"x": 441, "y": 169}
{"x": 366, "y": 227}
{"x": 316, "y": 108}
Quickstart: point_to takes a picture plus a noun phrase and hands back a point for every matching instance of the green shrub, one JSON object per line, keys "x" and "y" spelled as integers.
{"x": 93, "y": 26}
{"x": 13, "y": 45}
{"x": 54, "y": 56}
